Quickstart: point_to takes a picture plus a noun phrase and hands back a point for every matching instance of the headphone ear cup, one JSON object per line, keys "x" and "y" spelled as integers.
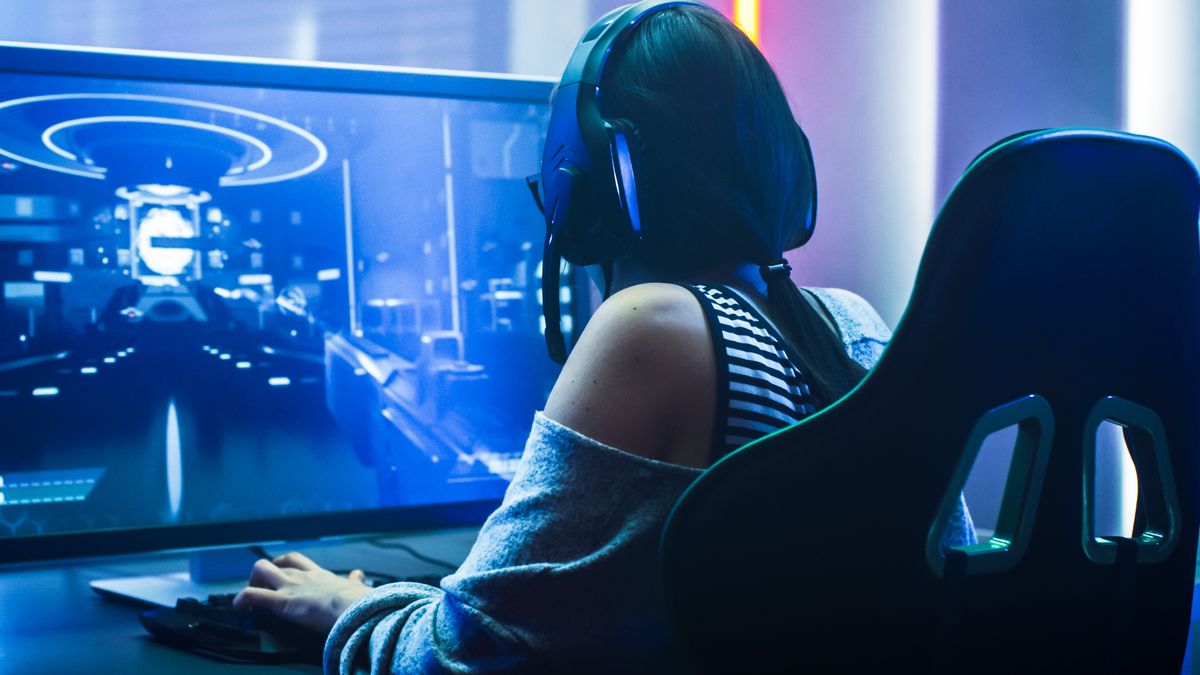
{"x": 626, "y": 150}
{"x": 811, "y": 218}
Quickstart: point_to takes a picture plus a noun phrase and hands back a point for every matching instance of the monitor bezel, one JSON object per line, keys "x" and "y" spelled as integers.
{"x": 173, "y": 67}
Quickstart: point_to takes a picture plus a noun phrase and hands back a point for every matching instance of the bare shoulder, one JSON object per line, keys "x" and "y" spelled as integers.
{"x": 642, "y": 371}
{"x": 645, "y": 308}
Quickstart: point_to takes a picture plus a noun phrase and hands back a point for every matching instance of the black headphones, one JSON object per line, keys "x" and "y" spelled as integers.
{"x": 589, "y": 163}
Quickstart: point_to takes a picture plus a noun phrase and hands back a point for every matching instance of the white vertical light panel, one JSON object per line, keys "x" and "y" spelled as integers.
{"x": 542, "y": 34}
{"x": 1162, "y": 71}
{"x": 305, "y": 34}
{"x": 920, "y": 117}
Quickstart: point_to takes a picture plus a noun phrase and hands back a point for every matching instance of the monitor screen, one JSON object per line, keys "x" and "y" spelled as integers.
{"x": 241, "y": 301}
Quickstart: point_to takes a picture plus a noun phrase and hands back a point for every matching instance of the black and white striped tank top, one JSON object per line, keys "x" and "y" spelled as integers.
{"x": 760, "y": 382}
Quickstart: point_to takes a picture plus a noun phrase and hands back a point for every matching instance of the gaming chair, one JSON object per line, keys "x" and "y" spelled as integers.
{"x": 1060, "y": 287}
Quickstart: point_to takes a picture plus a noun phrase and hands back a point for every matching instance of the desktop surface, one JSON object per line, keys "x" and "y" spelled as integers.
{"x": 52, "y": 622}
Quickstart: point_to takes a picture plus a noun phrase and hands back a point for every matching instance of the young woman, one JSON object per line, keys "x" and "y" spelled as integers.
{"x": 704, "y": 344}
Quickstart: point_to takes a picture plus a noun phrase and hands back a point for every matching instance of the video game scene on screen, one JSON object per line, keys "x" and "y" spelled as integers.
{"x": 224, "y": 303}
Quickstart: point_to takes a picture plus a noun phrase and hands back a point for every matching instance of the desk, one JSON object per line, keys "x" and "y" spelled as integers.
{"x": 52, "y": 622}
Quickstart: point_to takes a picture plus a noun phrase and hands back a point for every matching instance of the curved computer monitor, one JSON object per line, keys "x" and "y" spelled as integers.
{"x": 248, "y": 300}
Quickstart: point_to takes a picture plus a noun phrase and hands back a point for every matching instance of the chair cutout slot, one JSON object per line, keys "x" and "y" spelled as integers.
{"x": 1128, "y": 484}
{"x": 984, "y": 490}
{"x": 1114, "y": 483}
{"x": 1002, "y": 468}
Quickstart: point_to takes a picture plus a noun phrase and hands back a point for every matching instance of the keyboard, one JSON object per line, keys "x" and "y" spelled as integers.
{"x": 214, "y": 628}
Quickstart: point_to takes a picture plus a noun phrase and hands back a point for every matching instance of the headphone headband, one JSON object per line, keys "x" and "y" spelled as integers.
{"x": 587, "y": 61}
{"x": 577, "y": 141}
{"x": 583, "y": 152}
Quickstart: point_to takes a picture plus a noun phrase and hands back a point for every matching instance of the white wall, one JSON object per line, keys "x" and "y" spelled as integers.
{"x": 1017, "y": 65}
{"x": 862, "y": 79}
{"x": 542, "y": 35}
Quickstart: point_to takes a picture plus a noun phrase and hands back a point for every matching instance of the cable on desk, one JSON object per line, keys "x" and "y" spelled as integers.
{"x": 262, "y": 553}
{"x": 413, "y": 552}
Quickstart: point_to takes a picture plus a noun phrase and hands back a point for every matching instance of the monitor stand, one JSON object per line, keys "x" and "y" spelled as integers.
{"x": 210, "y": 572}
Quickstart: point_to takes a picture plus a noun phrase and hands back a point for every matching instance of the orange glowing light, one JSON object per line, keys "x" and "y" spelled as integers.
{"x": 745, "y": 15}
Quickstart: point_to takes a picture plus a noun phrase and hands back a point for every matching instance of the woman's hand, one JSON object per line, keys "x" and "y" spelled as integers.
{"x": 302, "y": 591}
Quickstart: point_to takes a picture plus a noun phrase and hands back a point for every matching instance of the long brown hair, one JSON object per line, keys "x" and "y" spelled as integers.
{"x": 723, "y": 175}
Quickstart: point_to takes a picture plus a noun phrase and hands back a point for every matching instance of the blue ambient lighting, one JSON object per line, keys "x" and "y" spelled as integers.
{"x": 46, "y": 391}
{"x": 279, "y": 381}
{"x": 88, "y": 370}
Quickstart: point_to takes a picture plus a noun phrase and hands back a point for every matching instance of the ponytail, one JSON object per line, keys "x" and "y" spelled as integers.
{"x": 829, "y": 370}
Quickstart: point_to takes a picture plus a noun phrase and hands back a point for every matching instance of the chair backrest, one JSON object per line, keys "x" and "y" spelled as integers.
{"x": 1060, "y": 286}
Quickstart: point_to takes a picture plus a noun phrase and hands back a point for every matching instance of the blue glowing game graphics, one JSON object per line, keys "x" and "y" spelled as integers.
{"x": 224, "y": 303}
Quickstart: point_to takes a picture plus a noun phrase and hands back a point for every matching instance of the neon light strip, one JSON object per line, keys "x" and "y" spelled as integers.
{"x": 745, "y": 15}
{"x": 48, "y": 134}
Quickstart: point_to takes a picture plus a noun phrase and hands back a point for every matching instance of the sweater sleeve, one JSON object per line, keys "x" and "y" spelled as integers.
{"x": 562, "y": 570}
{"x": 863, "y": 331}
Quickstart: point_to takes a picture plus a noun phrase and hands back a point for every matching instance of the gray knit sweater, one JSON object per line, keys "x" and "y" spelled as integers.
{"x": 564, "y": 574}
